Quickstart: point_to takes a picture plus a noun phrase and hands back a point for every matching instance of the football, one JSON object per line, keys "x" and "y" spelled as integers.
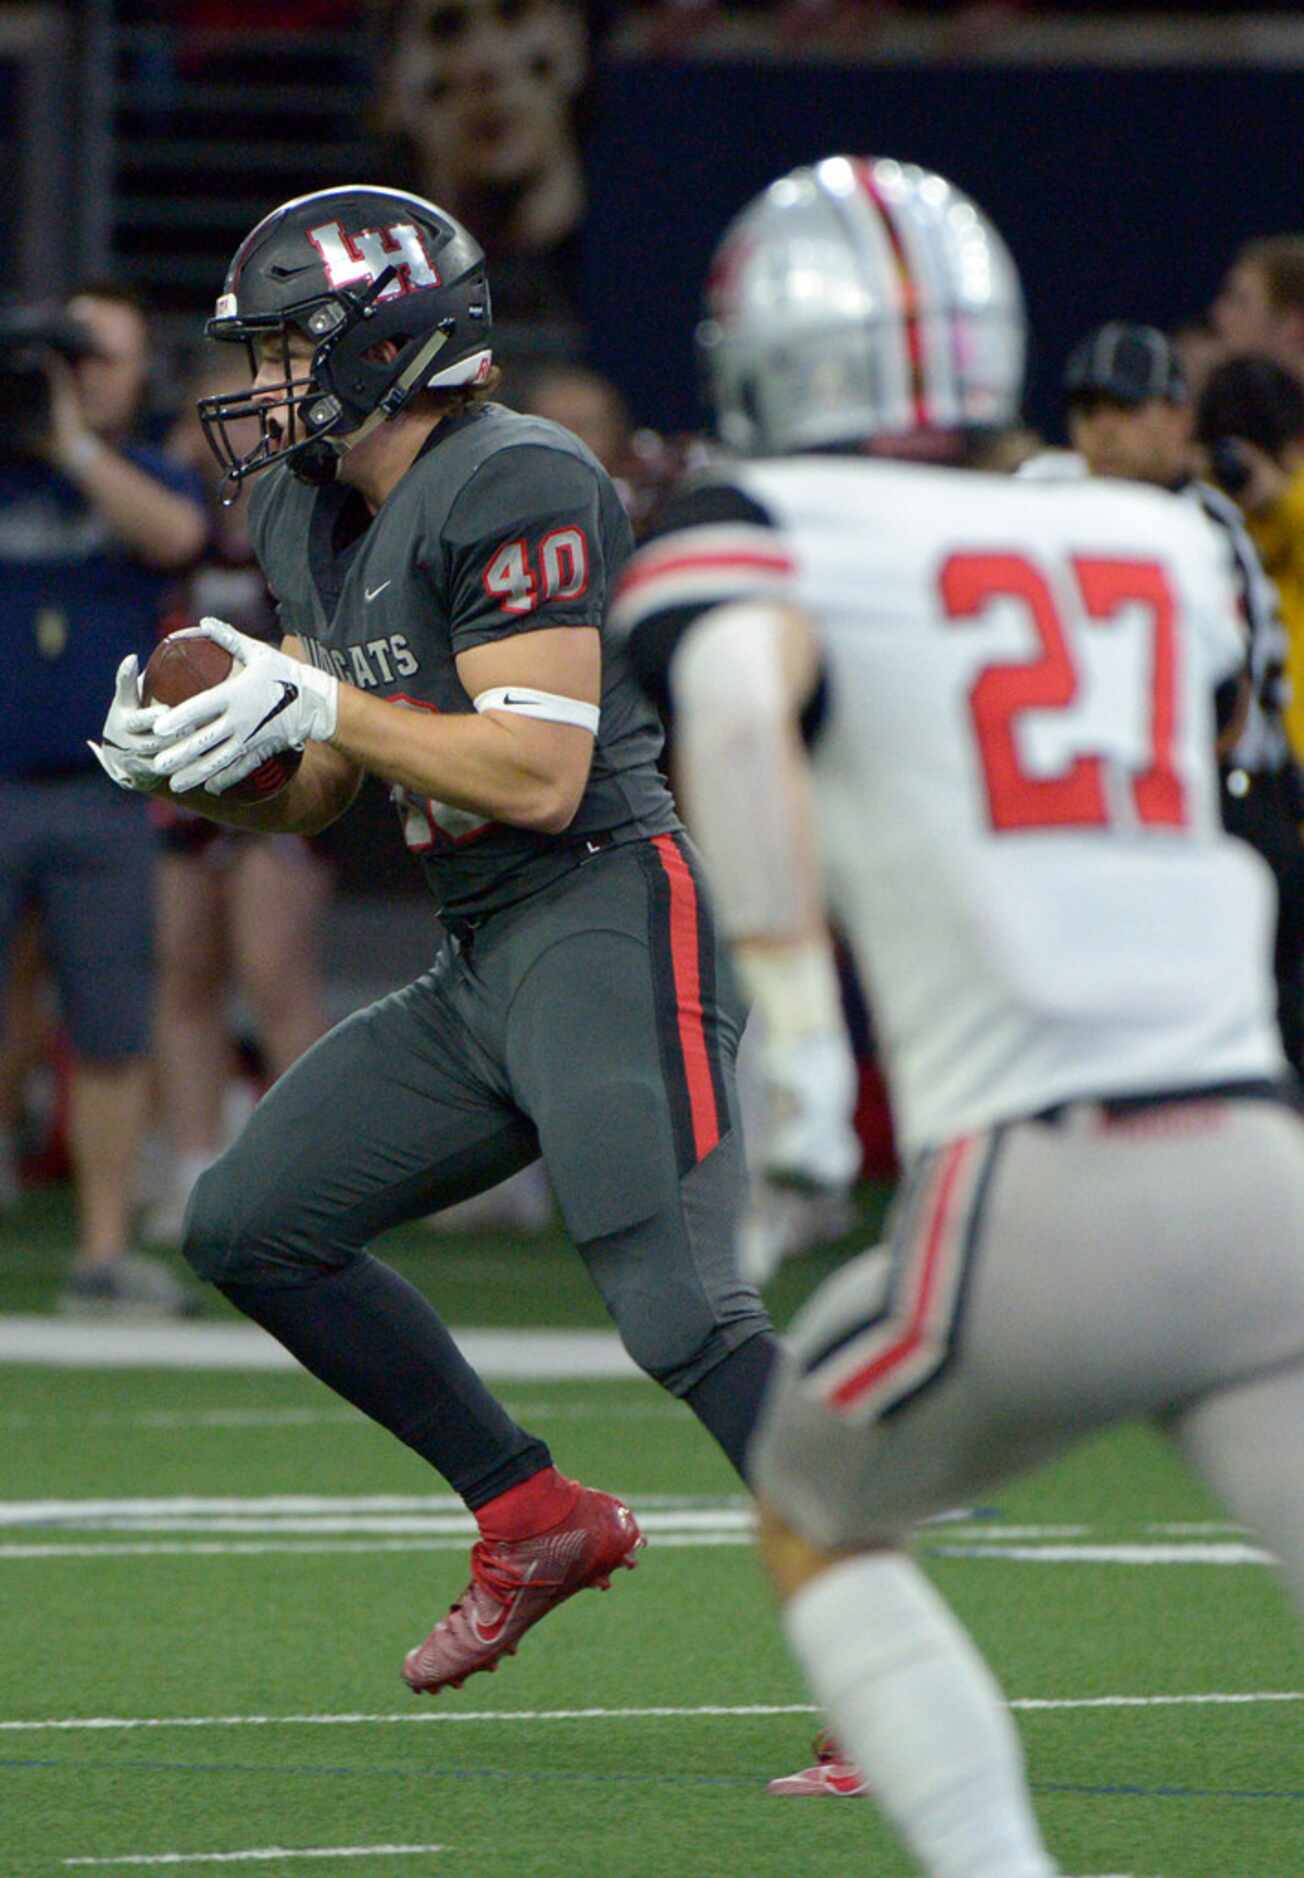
{"x": 178, "y": 668}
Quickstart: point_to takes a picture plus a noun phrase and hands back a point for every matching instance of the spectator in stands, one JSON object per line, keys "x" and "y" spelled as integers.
{"x": 587, "y": 404}
{"x": 1199, "y": 349}
{"x": 93, "y": 528}
{"x": 478, "y": 103}
{"x": 1130, "y": 415}
{"x": 1260, "y": 307}
{"x": 238, "y": 912}
{"x": 1251, "y": 422}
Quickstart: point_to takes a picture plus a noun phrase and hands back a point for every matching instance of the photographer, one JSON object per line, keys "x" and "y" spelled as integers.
{"x": 1130, "y": 415}
{"x": 1250, "y": 423}
{"x": 94, "y": 526}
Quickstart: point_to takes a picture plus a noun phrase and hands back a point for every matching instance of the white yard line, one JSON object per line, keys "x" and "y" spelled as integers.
{"x": 183, "y": 1525}
{"x": 263, "y": 1855}
{"x": 502, "y": 1355}
{"x": 448, "y": 1717}
{"x": 304, "y": 1513}
{"x": 1146, "y": 1554}
{"x": 248, "y": 1548}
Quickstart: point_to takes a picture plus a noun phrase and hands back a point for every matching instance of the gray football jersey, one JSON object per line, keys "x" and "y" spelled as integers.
{"x": 505, "y": 524}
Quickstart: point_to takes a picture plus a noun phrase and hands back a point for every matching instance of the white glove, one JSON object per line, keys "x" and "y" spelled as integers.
{"x": 268, "y": 704}
{"x": 127, "y": 742}
{"x": 808, "y": 1147}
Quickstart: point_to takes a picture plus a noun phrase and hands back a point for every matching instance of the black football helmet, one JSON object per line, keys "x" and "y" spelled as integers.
{"x": 346, "y": 268}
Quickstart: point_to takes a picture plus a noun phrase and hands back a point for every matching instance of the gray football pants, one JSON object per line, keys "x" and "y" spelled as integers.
{"x": 1044, "y": 1280}
{"x": 594, "y": 1023}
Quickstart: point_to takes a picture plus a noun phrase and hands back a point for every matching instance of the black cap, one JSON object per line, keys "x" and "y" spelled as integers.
{"x": 1126, "y": 361}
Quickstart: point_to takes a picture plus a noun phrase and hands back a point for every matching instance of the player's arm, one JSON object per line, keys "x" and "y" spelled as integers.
{"x": 520, "y": 565}
{"x": 740, "y": 680}
{"x": 740, "y": 675}
{"x": 162, "y": 527}
{"x": 706, "y": 613}
{"x": 522, "y": 756}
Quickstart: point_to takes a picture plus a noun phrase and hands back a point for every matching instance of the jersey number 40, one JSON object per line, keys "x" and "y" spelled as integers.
{"x": 1077, "y": 797}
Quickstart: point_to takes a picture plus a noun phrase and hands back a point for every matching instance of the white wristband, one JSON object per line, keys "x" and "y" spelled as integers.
{"x": 548, "y": 705}
{"x": 794, "y": 987}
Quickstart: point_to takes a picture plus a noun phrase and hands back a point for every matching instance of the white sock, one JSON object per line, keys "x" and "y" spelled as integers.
{"x": 913, "y": 1704}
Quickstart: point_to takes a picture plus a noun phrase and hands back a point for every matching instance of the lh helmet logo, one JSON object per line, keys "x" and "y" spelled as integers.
{"x": 353, "y": 260}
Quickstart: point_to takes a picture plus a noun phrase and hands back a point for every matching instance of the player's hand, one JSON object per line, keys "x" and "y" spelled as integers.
{"x": 127, "y": 743}
{"x": 268, "y": 704}
{"x": 66, "y": 430}
{"x": 808, "y": 1150}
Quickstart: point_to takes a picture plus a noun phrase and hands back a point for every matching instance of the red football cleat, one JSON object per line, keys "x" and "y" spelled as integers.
{"x": 830, "y": 1775}
{"x": 515, "y": 1582}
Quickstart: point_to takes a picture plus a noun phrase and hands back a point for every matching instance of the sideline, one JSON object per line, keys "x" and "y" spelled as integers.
{"x": 500, "y": 1355}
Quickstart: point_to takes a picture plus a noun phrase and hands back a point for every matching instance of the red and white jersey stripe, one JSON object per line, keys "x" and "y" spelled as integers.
{"x": 703, "y": 567}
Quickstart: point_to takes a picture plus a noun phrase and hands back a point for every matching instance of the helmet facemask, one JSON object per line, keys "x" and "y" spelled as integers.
{"x": 308, "y": 421}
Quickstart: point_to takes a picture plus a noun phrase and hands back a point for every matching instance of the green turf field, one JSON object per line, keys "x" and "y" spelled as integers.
{"x": 209, "y": 1579}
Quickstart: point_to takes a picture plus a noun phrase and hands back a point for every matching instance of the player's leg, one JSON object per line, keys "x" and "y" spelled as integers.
{"x": 377, "y": 1122}
{"x": 910, "y": 1697}
{"x": 386, "y": 1117}
{"x": 1244, "y": 1444}
{"x": 621, "y": 1042}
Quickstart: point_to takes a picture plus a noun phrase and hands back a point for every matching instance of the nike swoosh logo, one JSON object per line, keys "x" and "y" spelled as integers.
{"x": 374, "y": 593}
{"x": 289, "y": 696}
{"x": 509, "y": 699}
{"x": 495, "y": 1630}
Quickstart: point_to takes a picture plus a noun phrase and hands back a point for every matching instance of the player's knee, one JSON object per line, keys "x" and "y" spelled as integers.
{"x": 211, "y": 1236}
{"x": 679, "y": 1361}
{"x": 237, "y": 1232}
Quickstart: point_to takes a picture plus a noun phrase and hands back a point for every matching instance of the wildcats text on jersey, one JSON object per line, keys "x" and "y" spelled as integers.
{"x": 371, "y": 665}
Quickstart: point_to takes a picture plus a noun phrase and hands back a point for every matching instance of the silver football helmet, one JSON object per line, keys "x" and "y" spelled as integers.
{"x": 855, "y": 299}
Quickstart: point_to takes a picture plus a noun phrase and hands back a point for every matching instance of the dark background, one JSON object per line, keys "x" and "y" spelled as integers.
{"x": 10, "y": 202}
{"x": 1121, "y": 193}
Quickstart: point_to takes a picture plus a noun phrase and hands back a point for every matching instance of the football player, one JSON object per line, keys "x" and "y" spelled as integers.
{"x": 987, "y": 708}
{"x": 442, "y": 567}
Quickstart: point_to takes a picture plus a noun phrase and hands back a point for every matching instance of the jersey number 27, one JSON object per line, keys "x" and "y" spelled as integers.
{"x": 1077, "y": 797}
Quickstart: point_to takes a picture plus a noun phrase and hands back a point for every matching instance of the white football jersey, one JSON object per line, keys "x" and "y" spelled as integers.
{"x": 1015, "y": 773}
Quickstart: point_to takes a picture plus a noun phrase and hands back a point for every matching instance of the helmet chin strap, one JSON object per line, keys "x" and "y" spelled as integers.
{"x": 399, "y": 392}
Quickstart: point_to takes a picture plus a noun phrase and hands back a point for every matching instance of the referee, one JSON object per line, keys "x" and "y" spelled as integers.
{"x": 1129, "y": 415}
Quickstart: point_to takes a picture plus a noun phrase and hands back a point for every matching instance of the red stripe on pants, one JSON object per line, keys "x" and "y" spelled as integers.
{"x": 684, "y": 936}
{"x": 852, "y": 1388}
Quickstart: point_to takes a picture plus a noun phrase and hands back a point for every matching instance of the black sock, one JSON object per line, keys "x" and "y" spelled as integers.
{"x": 727, "y": 1401}
{"x": 371, "y": 1336}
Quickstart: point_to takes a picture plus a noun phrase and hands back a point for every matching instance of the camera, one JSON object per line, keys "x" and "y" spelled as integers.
{"x": 28, "y": 338}
{"x": 1231, "y": 472}
{"x": 1249, "y": 399}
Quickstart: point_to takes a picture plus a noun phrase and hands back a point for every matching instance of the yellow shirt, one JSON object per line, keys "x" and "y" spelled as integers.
{"x": 1278, "y": 534}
